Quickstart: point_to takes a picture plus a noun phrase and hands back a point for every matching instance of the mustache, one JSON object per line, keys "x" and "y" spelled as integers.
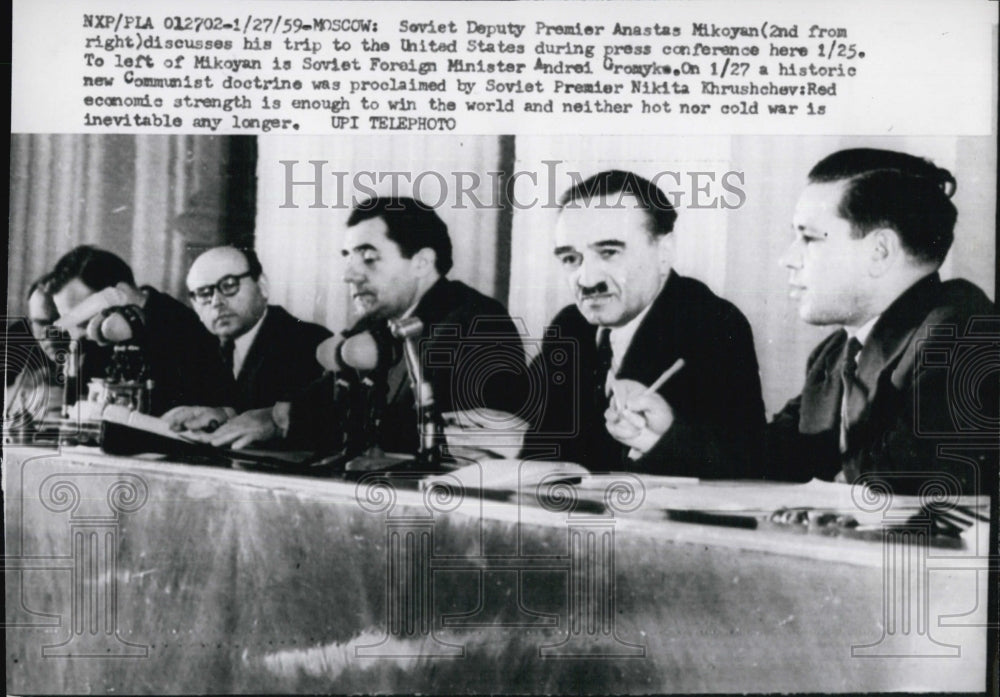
{"x": 596, "y": 289}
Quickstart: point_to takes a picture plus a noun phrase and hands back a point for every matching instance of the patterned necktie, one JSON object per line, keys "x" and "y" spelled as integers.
{"x": 855, "y": 392}
{"x": 226, "y": 351}
{"x": 602, "y": 368}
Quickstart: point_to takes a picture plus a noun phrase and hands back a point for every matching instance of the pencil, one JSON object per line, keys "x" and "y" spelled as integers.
{"x": 667, "y": 374}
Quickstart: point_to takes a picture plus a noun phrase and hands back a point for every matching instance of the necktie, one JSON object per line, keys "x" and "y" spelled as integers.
{"x": 226, "y": 351}
{"x": 855, "y": 392}
{"x": 602, "y": 368}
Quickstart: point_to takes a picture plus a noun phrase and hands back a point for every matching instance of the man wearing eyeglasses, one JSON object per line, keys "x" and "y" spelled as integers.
{"x": 396, "y": 257}
{"x": 270, "y": 353}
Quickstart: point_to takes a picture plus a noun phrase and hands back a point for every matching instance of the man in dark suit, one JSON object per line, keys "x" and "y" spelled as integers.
{"x": 905, "y": 391}
{"x": 397, "y": 254}
{"x": 635, "y": 318}
{"x": 270, "y": 354}
{"x": 178, "y": 354}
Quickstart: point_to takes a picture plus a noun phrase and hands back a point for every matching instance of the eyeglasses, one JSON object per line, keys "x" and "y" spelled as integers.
{"x": 227, "y": 286}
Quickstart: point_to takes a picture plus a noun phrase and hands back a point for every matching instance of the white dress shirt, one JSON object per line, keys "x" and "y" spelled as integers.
{"x": 621, "y": 339}
{"x": 242, "y": 344}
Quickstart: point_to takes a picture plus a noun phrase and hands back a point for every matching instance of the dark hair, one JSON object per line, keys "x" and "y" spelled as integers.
{"x": 253, "y": 262}
{"x": 890, "y": 189}
{"x": 42, "y": 285}
{"x": 96, "y": 268}
{"x": 615, "y": 181}
{"x": 412, "y": 225}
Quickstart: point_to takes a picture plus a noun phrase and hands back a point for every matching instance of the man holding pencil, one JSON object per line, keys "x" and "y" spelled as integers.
{"x": 663, "y": 377}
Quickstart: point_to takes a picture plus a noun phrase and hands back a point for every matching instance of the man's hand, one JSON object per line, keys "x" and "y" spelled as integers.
{"x": 198, "y": 418}
{"x": 635, "y": 418}
{"x": 249, "y": 427}
{"x": 133, "y": 296}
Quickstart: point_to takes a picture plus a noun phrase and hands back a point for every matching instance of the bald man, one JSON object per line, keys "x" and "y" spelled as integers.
{"x": 270, "y": 353}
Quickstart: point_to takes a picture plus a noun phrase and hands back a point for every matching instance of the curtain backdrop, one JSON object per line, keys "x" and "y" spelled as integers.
{"x": 118, "y": 192}
{"x": 124, "y": 193}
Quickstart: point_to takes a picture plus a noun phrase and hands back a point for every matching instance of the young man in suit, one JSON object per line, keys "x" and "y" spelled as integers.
{"x": 633, "y": 319}
{"x": 905, "y": 391}
{"x": 270, "y": 354}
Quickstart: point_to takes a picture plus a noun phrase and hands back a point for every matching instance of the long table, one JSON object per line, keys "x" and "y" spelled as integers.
{"x": 141, "y": 576}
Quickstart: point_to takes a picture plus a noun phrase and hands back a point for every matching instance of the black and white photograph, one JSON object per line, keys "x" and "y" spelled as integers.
{"x": 541, "y": 348}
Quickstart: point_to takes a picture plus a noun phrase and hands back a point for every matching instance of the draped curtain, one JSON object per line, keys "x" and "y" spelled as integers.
{"x": 121, "y": 193}
{"x": 124, "y": 193}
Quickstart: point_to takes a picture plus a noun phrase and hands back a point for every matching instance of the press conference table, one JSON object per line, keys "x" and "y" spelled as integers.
{"x": 141, "y": 576}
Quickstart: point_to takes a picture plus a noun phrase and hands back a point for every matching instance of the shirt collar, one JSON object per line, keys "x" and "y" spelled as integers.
{"x": 862, "y": 332}
{"x": 242, "y": 344}
{"x": 621, "y": 338}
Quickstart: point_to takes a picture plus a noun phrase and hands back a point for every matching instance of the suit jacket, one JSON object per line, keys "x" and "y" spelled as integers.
{"x": 921, "y": 354}
{"x": 716, "y": 398}
{"x": 182, "y": 357}
{"x": 473, "y": 357}
{"x": 280, "y": 362}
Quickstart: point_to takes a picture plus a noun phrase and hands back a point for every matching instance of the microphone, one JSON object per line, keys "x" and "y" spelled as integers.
{"x": 117, "y": 325}
{"x": 407, "y": 329}
{"x": 359, "y": 352}
{"x": 71, "y": 383}
{"x": 431, "y": 427}
{"x": 357, "y": 399}
{"x": 328, "y": 354}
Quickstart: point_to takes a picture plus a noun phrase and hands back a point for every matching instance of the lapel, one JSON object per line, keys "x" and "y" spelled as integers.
{"x": 893, "y": 332}
{"x": 889, "y": 339}
{"x": 823, "y": 391}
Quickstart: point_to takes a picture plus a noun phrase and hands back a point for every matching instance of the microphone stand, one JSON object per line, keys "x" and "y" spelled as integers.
{"x": 430, "y": 426}
{"x": 71, "y": 377}
{"x": 360, "y": 397}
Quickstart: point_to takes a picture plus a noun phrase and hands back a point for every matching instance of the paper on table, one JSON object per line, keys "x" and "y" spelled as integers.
{"x": 143, "y": 422}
